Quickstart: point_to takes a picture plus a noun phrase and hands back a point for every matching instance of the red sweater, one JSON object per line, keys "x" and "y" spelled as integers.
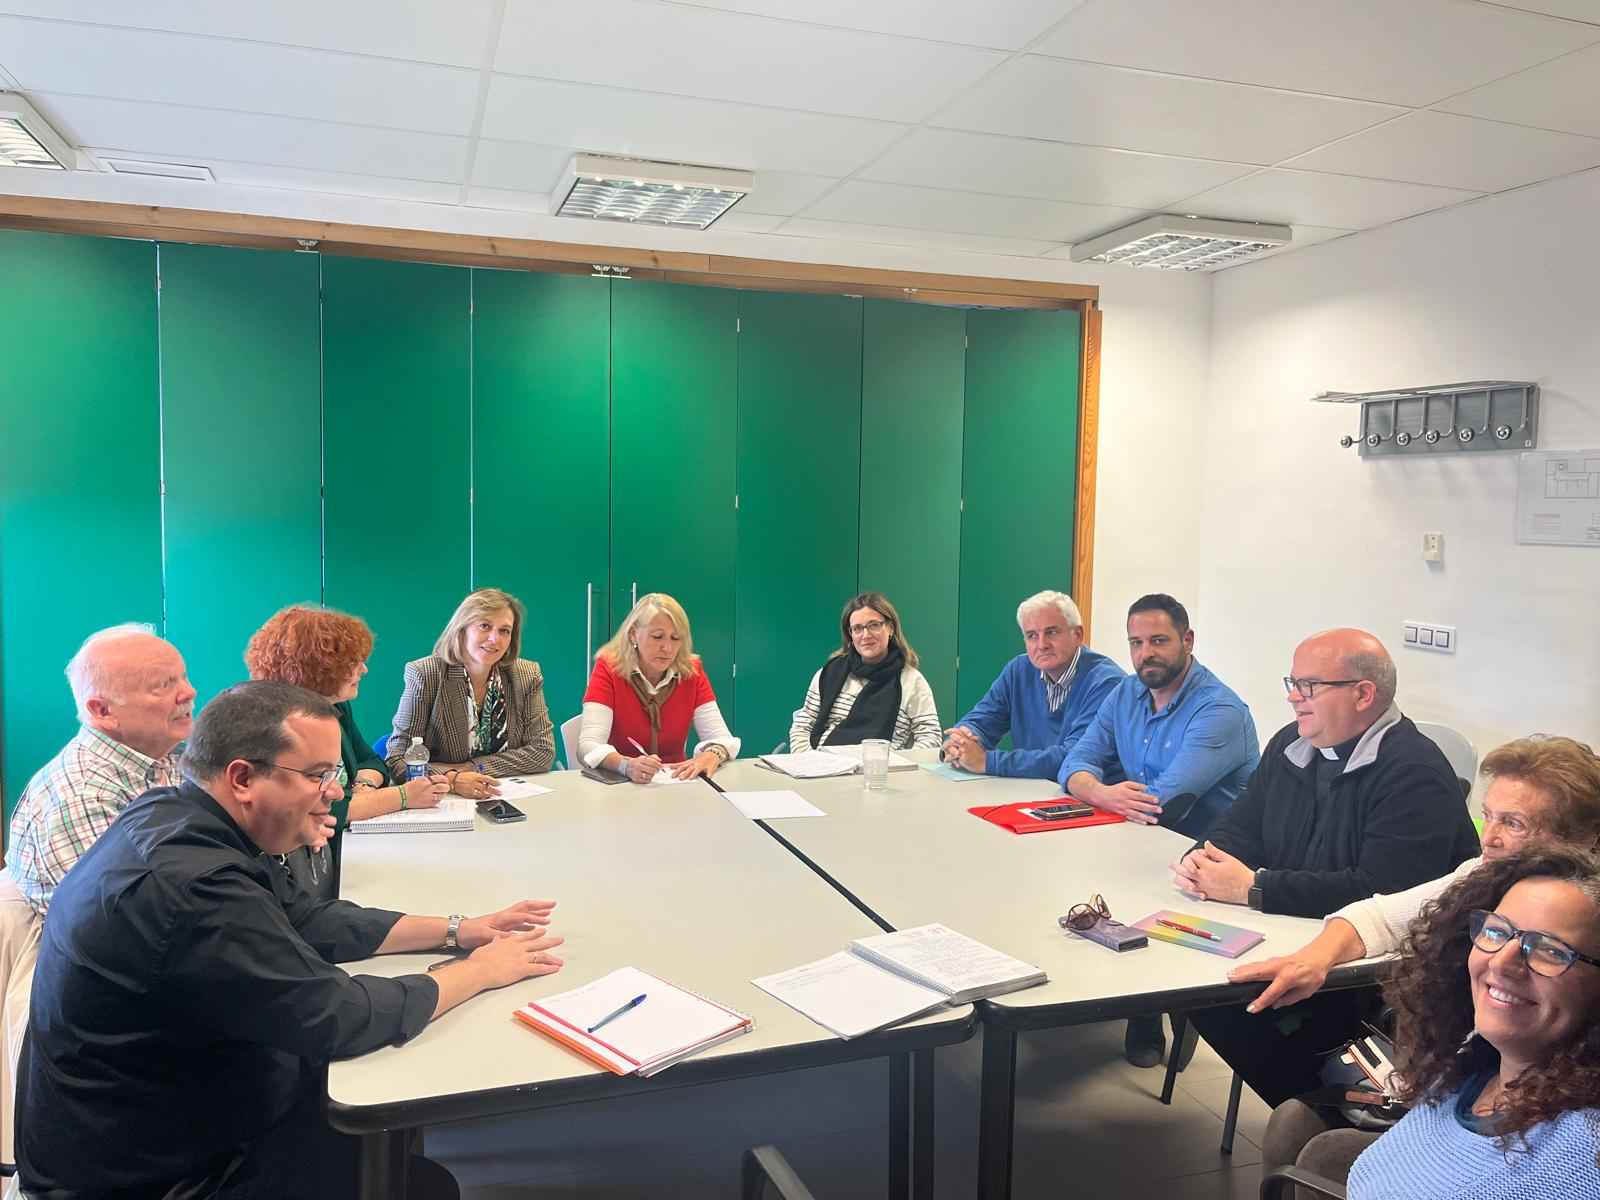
{"x": 630, "y": 720}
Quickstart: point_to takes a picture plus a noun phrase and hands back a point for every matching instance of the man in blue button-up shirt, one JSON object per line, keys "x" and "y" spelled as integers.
{"x": 1171, "y": 745}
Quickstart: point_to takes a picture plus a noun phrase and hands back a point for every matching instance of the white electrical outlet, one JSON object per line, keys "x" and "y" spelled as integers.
{"x": 1423, "y": 635}
{"x": 1433, "y": 547}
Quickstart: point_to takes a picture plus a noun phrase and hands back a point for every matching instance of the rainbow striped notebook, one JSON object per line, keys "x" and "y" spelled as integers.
{"x": 1199, "y": 933}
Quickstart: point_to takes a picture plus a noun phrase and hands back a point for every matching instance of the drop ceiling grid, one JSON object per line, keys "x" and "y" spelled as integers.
{"x": 946, "y": 133}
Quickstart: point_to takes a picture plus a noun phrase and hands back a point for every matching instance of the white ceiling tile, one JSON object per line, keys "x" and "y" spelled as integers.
{"x": 981, "y": 162}
{"x": 93, "y": 60}
{"x": 1312, "y": 198}
{"x": 1004, "y": 24}
{"x": 1458, "y": 152}
{"x": 611, "y": 121}
{"x": 336, "y": 183}
{"x": 1564, "y": 94}
{"x": 509, "y": 199}
{"x": 866, "y": 203}
{"x": 173, "y": 133}
{"x": 517, "y": 166}
{"x": 1413, "y": 52}
{"x": 739, "y": 221}
{"x": 899, "y": 236}
{"x": 780, "y": 193}
{"x": 1039, "y": 97}
{"x": 1576, "y": 10}
{"x": 729, "y": 56}
{"x": 453, "y": 32}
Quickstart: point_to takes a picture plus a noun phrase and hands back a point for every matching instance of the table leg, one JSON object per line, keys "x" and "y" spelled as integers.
{"x": 922, "y": 1125}
{"x": 997, "y": 1096}
{"x": 383, "y": 1165}
{"x": 899, "y": 1126}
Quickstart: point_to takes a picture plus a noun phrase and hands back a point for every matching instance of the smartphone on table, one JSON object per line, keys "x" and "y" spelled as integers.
{"x": 1067, "y": 811}
{"x": 502, "y": 812}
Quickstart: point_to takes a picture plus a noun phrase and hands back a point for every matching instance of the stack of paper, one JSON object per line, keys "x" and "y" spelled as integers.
{"x": 667, "y": 1027}
{"x": 894, "y": 977}
{"x": 897, "y": 761}
{"x": 453, "y": 815}
{"x": 964, "y": 970}
{"x": 811, "y": 764}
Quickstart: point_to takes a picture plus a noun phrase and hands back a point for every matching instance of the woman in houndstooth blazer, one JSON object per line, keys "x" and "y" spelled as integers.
{"x": 476, "y": 705}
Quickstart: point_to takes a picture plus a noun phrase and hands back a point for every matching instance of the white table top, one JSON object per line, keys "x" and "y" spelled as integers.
{"x": 668, "y": 879}
{"x": 913, "y": 854}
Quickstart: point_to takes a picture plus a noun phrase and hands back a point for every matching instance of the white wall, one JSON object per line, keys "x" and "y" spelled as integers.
{"x": 1296, "y": 534}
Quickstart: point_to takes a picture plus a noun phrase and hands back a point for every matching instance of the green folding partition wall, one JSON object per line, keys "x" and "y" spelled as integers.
{"x": 1019, "y": 480}
{"x": 242, "y": 448}
{"x": 396, "y": 391}
{"x": 541, "y": 470}
{"x": 674, "y": 421}
{"x": 911, "y": 414}
{"x": 80, "y": 505}
{"x": 799, "y": 481}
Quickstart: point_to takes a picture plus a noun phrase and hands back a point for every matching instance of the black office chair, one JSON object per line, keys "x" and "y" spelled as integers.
{"x": 765, "y": 1167}
{"x": 1279, "y": 1184}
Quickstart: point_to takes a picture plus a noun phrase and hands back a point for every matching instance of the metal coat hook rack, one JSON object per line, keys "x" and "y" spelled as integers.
{"x": 1448, "y": 418}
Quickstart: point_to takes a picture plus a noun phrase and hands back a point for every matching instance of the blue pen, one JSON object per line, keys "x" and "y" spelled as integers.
{"x": 612, "y": 1016}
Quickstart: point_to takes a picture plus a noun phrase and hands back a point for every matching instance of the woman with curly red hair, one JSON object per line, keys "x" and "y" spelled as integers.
{"x": 1497, "y": 1042}
{"x": 326, "y": 652}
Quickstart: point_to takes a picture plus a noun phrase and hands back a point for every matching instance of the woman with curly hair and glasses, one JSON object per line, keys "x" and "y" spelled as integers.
{"x": 326, "y": 652}
{"x": 1497, "y": 995}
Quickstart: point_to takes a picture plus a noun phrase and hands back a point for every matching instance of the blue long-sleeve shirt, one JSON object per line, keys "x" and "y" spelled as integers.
{"x": 1016, "y": 703}
{"x": 1202, "y": 744}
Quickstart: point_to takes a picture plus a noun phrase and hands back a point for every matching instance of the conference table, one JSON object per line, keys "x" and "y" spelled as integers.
{"x": 912, "y": 854}
{"x": 670, "y": 879}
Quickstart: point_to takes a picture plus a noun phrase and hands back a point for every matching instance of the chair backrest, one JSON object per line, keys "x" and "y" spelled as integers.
{"x": 382, "y": 744}
{"x": 1461, "y": 753}
{"x": 569, "y": 741}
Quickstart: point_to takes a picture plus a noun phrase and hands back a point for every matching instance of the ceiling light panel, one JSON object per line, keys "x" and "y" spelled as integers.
{"x": 26, "y": 139}
{"x": 647, "y": 193}
{"x": 1177, "y": 243}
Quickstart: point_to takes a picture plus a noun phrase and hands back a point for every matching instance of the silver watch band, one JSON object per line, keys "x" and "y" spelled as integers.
{"x": 452, "y": 932}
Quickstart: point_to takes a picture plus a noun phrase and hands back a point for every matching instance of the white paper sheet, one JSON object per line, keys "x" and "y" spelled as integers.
{"x": 520, "y": 787}
{"x": 846, "y": 994}
{"x": 813, "y": 764}
{"x": 950, "y": 961}
{"x": 770, "y": 806}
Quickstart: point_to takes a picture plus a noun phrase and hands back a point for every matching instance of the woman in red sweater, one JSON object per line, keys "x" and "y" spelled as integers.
{"x": 647, "y": 691}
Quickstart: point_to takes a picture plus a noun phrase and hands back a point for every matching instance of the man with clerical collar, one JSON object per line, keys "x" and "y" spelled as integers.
{"x": 1044, "y": 698}
{"x": 1350, "y": 800}
{"x": 186, "y": 997}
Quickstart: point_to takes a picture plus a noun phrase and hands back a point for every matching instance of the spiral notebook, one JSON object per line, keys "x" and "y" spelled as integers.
{"x": 670, "y": 1025}
{"x": 453, "y": 815}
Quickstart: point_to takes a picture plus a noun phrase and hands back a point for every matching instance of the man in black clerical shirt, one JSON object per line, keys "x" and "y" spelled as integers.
{"x": 1350, "y": 800}
{"x": 186, "y": 998}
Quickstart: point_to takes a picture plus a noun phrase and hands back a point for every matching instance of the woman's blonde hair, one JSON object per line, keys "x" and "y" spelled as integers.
{"x": 452, "y": 643}
{"x": 621, "y": 653}
{"x": 878, "y": 602}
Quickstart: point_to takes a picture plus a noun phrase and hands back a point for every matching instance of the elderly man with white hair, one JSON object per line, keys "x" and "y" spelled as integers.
{"x": 1044, "y": 698}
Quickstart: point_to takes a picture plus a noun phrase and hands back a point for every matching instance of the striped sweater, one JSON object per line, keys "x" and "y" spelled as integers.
{"x": 916, "y": 725}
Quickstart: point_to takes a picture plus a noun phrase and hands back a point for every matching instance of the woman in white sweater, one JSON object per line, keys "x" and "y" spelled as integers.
{"x": 869, "y": 688}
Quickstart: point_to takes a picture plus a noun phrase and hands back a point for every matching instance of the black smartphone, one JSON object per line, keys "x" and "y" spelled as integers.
{"x": 502, "y": 812}
{"x": 1060, "y": 812}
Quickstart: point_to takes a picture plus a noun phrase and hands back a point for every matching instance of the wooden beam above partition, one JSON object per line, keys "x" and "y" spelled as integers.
{"x": 528, "y": 254}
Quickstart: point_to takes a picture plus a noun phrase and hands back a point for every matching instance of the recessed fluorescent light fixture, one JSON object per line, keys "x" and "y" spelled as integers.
{"x": 647, "y": 193}
{"x": 1177, "y": 243}
{"x": 26, "y": 139}
{"x": 159, "y": 170}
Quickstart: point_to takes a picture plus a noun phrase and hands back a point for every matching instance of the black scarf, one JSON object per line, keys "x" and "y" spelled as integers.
{"x": 877, "y": 705}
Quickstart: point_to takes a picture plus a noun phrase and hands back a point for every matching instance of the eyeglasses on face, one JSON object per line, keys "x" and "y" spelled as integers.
{"x": 1545, "y": 955}
{"x": 1308, "y": 687}
{"x": 1087, "y": 916}
{"x": 321, "y": 778}
{"x": 867, "y": 627}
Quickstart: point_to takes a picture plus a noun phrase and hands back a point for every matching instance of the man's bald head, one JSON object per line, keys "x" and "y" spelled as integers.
{"x": 1357, "y": 685}
{"x": 132, "y": 686}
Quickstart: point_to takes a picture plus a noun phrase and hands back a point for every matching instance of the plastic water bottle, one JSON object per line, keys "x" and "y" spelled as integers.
{"x": 416, "y": 760}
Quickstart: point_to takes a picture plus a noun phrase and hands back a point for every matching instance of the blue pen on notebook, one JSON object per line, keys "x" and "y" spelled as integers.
{"x": 612, "y": 1016}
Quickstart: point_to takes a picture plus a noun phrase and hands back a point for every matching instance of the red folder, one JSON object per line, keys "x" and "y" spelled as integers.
{"x": 1011, "y": 816}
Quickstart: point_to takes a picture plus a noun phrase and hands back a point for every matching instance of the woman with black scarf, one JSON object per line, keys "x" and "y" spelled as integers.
{"x": 869, "y": 688}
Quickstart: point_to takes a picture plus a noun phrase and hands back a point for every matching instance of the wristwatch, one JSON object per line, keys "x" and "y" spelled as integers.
{"x": 1253, "y": 897}
{"x": 452, "y": 932}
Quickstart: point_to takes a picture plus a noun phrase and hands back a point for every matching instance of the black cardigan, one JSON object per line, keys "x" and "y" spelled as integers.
{"x": 1399, "y": 819}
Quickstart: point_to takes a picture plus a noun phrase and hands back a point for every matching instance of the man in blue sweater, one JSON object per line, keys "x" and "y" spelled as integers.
{"x": 1045, "y": 698}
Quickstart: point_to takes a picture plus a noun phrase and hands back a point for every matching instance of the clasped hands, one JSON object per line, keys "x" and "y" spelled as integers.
{"x": 1214, "y": 874}
{"x": 963, "y": 749}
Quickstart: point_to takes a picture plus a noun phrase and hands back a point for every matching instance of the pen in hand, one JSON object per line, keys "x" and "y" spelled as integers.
{"x": 612, "y": 1016}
